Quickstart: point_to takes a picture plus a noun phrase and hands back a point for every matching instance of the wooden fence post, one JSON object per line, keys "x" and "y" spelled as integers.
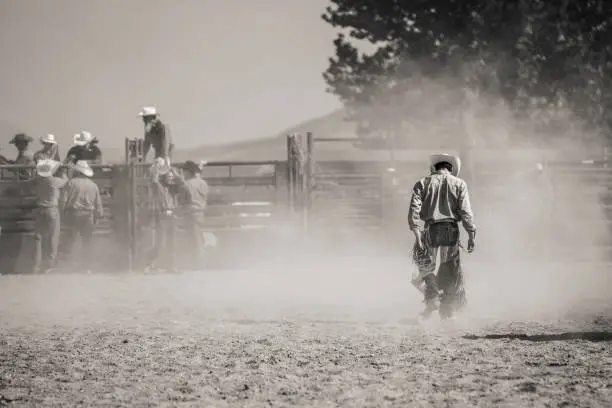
{"x": 309, "y": 179}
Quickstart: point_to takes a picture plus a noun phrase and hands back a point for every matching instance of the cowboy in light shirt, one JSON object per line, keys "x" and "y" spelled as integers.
{"x": 439, "y": 202}
{"x": 164, "y": 187}
{"x": 157, "y": 135}
{"x": 47, "y": 221}
{"x": 81, "y": 205}
{"x": 50, "y": 149}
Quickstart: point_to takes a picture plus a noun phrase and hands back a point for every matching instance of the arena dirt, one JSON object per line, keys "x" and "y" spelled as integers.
{"x": 287, "y": 338}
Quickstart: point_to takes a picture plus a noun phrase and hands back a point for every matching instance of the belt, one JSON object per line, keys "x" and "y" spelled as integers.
{"x": 444, "y": 221}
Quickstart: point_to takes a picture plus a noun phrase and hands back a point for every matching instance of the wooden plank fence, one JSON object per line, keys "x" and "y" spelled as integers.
{"x": 244, "y": 196}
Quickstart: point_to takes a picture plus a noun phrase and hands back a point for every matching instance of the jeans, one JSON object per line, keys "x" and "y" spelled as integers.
{"x": 47, "y": 236}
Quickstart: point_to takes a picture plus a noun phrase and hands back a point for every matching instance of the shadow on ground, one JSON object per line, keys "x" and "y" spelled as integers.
{"x": 594, "y": 336}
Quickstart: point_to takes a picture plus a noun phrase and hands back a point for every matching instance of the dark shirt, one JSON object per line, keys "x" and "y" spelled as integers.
{"x": 90, "y": 153}
{"x": 25, "y": 158}
{"x": 158, "y": 136}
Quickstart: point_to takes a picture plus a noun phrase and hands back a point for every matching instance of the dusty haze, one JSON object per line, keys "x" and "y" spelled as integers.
{"x": 348, "y": 275}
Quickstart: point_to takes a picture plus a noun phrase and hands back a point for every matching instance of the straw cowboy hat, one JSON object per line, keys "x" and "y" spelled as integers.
{"x": 47, "y": 167}
{"x": 82, "y": 138}
{"x": 21, "y": 137}
{"x": 83, "y": 167}
{"x": 148, "y": 111}
{"x": 449, "y": 158}
{"x": 48, "y": 138}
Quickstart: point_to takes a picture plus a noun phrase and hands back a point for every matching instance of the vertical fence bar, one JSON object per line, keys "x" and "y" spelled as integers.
{"x": 290, "y": 171}
{"x": 132, "y": 204}
{"x": 126, "y": 176}
{"x": 309, "y": 182}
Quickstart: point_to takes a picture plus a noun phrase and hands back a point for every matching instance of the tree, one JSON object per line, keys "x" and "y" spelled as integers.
{"x": 541, "y": 57}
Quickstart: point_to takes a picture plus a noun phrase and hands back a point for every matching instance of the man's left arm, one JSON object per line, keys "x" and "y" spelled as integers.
{"x": 465, "y": 210}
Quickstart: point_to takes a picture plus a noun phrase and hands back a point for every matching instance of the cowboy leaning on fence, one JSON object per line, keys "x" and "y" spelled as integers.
{"x": 193, "y": 199}
{"x": 81, "y": 205}
{"x": 47, "y": 217}
{"x": 85, "y": 148}
{"x": 439, "y": 201}
{"x": 50, "y": 149}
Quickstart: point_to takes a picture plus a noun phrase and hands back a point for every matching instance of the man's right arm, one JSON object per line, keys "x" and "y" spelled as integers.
{"x": 414, "y": 211}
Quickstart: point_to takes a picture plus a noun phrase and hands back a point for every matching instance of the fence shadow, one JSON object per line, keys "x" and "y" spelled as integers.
{"x": 594, "y": 336}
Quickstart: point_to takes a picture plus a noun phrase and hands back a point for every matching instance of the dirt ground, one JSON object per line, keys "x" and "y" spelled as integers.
{"x": 262, "y": 338}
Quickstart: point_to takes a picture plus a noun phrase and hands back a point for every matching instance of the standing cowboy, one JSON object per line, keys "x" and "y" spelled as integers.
{"x": 439, "y": 202}
{"x": 164, "y": 187}
{"x": 50, "y": 149}
{"x": 157, "y": 135}
{"x": 81, "y": 205}
{"x": 47, "y": 222}
{"x": 24, "y": 154}
{"x": 193, "y": 199}
{"x": 85, "y": 148}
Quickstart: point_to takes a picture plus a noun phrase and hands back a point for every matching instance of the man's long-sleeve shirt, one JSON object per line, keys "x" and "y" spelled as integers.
{"x": 194, "y": 194}
{"x": 164, "y": 193}
{"x": 82, "y": 194}
{"x": 43, "y": 154}
{"x": 48, "y": 190}
{"x": 440, "y": 196}
{"x": 158, "y": 136}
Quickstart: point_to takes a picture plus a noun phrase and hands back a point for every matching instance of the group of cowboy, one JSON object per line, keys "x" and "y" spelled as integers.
{"x": 84, "y": 148}
{"x": 65, "y": 194}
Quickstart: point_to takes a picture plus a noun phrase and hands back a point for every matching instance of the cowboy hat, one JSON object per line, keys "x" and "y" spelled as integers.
{"x": 448, "y": 158}
{"x": 82, "y": 138}
{"x": 83, "y": 167}
{"x": 192, "y": 166}
{"x": 21, "y": 137}
{"x": 47, "y": 167}
{"x": 148, "y": 111}
{"x": 48, "y": 138}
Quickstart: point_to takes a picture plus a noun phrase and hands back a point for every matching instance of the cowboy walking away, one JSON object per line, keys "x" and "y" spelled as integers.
{"x": 81, "y": 205}
{"x": 439, "y": 202}
{"x": 47, "y": 219}
{"x": 157, "y": 135}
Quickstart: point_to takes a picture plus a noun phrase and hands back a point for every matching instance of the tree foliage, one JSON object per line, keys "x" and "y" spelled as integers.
{"x": 541, "y": 56}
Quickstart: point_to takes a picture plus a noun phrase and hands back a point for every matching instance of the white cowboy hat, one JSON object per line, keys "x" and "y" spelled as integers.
{"x": 82, "y": 138}
{"x": 48, "y": 138}
{"x": 160, "y": 166}
{"x": 83, "y": 167}
{"x": 449, "y": 158}
{"x": 148, "y": 111}
{"x": 47, "y": 167}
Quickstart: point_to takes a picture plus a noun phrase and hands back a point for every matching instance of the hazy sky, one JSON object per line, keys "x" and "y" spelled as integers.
{"x": 218, "y": 70}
